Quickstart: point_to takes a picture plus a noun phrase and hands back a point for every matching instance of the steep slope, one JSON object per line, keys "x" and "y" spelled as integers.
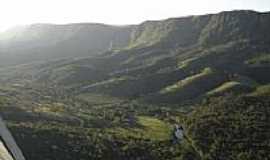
{"x": 177, "y": 32}
{"x": 48, "y": 41}
{"x": 236, "y": 26}
{"x": 235, "y": 128}
{"x": 208, "y": 30}
{"x": 156, "y": 54}
{"x": 160, "y": 54}
{"x": 208, "y": 73}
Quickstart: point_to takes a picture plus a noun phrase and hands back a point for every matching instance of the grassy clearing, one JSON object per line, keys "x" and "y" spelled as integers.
{"x": 98, "y": 98}
{"x": 262, "y": 59}
{"x": 150, "y": 128}
{"x": 185, "y": 63}
{"x": 6, "y": 88}
{"x": 262, "y": 91}
{"x": 54, "y": 108}
{"x": 224, "y": 87}
{"x": 3, "y": 101}
{"x": 178, "y": 85}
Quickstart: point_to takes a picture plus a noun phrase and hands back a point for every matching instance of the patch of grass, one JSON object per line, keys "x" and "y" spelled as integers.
{"x": 151, "y": 128}
{"x": 3, "y": 101}
{"x": 55, "y": 108}
{"x": 262, "y": 91}
{"x": 109, "y": 82}
{"x": 178, "y": 85}
{"x": 225, "y": 87}
{"x": 185, "y": 63}
{"x": 261, "y": 59}
{"x": 6, "y": 88}
{"x": 98, "y": 98}
{"x": 155, "y": 128}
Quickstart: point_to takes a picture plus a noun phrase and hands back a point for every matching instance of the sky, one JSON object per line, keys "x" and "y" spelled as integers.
{"x": 117, "y": 12}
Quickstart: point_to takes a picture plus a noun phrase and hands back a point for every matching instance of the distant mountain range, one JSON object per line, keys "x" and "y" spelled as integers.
{"x": 168, "y": 61}
{"x": 48, "y": 41}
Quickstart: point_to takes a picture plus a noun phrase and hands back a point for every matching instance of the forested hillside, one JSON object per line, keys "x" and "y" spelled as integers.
{"x": 94, "y": 91}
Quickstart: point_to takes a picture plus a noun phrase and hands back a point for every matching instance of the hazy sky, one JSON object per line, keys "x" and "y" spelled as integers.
{"x": 18, "y": 12}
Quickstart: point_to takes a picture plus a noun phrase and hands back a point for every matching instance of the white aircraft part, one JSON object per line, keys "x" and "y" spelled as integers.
{"x": 4, "y": 154}
{"x": 9, "y": 142}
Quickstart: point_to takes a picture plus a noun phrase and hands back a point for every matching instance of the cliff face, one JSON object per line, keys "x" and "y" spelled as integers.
{"x": 8, "y": 147}
{"x": 50, "y": 41}
{"x": 207, "y": 30}
{"x": 236, "y": 26}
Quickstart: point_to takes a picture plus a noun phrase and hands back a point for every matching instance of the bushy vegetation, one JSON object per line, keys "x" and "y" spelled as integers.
{"x": 230, "y": 87}
{"x": 263, "y": 90}
{"x": 187, "y": 81}
{"x": 202, "y": 72}
{"x": 262, "y": 59}
{"x": 234, "y": 128}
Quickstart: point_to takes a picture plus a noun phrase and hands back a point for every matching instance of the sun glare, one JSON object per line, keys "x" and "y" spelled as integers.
{"x": 16, "y": 12}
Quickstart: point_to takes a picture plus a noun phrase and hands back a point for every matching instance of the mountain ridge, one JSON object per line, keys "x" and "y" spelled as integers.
{"x": 49, "y": 41}
{"x": 209, "y": 74}
{"x": 161, "y": 54}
